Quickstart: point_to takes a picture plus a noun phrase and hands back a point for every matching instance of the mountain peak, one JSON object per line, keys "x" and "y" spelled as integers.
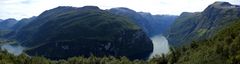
{"x": 189, "y": 13}
{"x": 63, "y": 8}
{"x": 185, "y": 13}
{"x": 144, "y": 13}
{"x": 220, "y": 8}
{"x": 123, "y": 9}
{"x": 90, "y": 8}
{"x": 219, "y": 3}
{"x": 11, "y": 19}
{"x": 223, "y": 5}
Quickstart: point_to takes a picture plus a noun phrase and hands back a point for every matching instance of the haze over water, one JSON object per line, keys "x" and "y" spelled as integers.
{"x": 160, "y": 45}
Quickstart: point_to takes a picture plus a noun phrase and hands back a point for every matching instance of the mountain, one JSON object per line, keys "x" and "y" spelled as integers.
{"x": 151, "y": 24}
{"x": 197, "y": 26}
{"x": 15, "y": 28}
{"x": 5, "y": 26}
{"x": 222, "y": 48}
{"x": 8, "y": 23}
{"x": 133, "y": 15}
{"x": 22, "y": 23}
{"x": 65, "y": 32}
{"x": 159, "y": 23}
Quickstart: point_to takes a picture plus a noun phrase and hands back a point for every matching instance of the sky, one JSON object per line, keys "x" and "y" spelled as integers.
{"x": 27, "y": 8}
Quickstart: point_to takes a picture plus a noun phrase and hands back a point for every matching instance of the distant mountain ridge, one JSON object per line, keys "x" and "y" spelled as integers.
{"x": 151, "y": 24}
{"x": 202, "y": 25}
{"x": 22, "y": 23}
{"x": 159, "y": 23}
{"x": 6, "y": 26}
{"x": 8, "y": 23}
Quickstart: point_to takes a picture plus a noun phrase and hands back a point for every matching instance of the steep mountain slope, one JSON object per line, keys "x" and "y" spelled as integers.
{"x": 5, "y": 26}
{"x": 1, "y": 20}
{"x": 16, "y": 27}
{"x": 222, "y": 48}
{"x": 201, "y": 25}
{"x": 159, "y": 23}
{"x": 151, "y": 24}
{"x": 133, "y": 15}
{"x": 22, "y": 23}
{"x": 65, "y": 32}
{"x": 8, "y": 23}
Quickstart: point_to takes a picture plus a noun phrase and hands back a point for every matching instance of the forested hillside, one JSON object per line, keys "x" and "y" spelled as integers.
{"x": 202, "y": 25}
{"x": 90, "y": 35}
{"x": 82, "y": 31}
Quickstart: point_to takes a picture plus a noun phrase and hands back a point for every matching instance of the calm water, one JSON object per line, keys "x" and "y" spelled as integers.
{"x": 160, "y": 45}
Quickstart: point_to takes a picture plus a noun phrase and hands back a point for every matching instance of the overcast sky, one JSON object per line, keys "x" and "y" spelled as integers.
{"x": 27, "y": 8}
